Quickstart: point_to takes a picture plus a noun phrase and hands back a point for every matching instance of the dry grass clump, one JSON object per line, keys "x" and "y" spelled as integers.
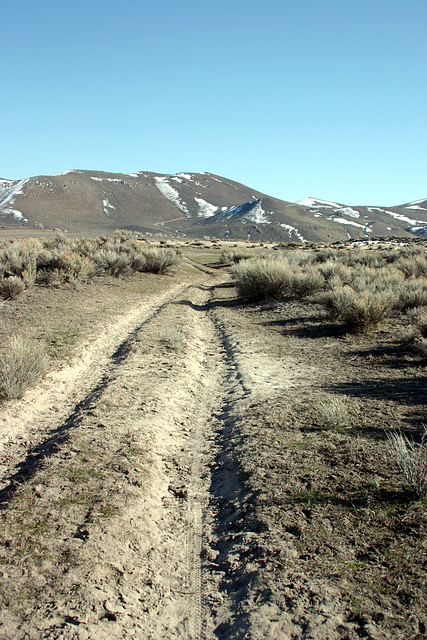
{"x": 174, "y": 338}
{"x": 21, "y": 365}
{"x": 410, "y": 458}
{"x": 334, "y": 412}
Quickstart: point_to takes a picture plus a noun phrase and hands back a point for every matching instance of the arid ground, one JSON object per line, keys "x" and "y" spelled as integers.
{"x": 172, "y": 477}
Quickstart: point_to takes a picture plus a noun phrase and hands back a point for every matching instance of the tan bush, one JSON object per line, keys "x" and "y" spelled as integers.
{"x": 233, "y": 255}
{"x": 261, "y": 279}
{"x": 277, "y": 279}
{"x": 11, "y": 287}
{"x": 359, "y": 311}
{"x": 21, "y": 365}
{"x": 159, "y": 260}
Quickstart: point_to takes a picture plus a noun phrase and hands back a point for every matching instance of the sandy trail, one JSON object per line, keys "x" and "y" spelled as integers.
{"x": 147, "y": 567}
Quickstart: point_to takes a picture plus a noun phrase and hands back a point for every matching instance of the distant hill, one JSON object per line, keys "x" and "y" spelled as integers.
{"x": 195, "y": 204}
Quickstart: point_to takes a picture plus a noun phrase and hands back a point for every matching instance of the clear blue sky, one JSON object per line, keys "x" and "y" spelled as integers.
{"x": 324, "y": 98}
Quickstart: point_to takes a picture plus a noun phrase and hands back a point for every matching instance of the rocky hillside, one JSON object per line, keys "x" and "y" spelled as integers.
{"x": 194, "y": 204}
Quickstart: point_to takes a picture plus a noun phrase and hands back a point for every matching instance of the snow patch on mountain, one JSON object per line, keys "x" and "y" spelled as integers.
{"x": 292, "y": 230}
{"x": 9, "y": 189}
{"x": 170, "y": 193}
{"x": 353, "y": 224}
{"x": 398, "y": 216}
{"x": 206, "y": 209}
{"x": 258, "y": 215}
{"x": 248, "y": 212}
{"x": 410, "y": 205}
{"x": 419, "y": 231}
{"x": 106, "y": 204}
{"x": 348, "y": 211}
{"x": 107, "y": 179}
{"x": 415, "y": 206}
{"x": 316, "y": 203}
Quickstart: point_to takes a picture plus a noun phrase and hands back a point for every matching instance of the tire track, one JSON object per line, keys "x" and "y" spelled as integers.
{"x": 32, "y": 427}
{"x": 168, "y": 562}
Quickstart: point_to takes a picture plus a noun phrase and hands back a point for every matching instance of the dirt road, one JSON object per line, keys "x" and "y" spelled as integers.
{"x": 127, "y": 477}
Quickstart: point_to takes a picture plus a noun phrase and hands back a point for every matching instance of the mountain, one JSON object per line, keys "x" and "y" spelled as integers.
{"x": 195, "y": 204}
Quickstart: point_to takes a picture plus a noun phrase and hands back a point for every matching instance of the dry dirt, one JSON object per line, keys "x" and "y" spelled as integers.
{"x": 171, "y": 480}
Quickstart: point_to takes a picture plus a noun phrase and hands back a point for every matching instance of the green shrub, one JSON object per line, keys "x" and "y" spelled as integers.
{"x": 21, "y": 365}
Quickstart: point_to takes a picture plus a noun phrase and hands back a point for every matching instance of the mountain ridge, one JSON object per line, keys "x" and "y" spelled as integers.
{"x": 193, "y": 204}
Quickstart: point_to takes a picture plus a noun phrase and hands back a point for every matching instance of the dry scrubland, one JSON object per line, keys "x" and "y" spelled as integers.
{"x": 247, "y": 461}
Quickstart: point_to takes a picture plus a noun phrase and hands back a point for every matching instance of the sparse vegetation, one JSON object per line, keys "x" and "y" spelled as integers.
{"x": 159, "y": 260}
{"x": 174, "y": 338}
{"x": 60, "y": 261}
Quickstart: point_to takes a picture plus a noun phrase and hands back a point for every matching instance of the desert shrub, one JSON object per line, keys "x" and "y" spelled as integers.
{"x": 16, "y": 257}
{"x": 368, "y": 258}
{"x": 159, "y": 260}
{"x": 261, "y": 279}
{"x": 112, "y": 263}
{"x": 11, "y": 287}
{"x": 360, "y": 311}
{"x": 422, "y": 324}
{"x": 21, "y": 365}
{"x": 66, "y": 265}
{"x": 336, "y": 273}
{"x": 411, "y": 294}
{"x": 138, "y": 262}
{"x": 410, "y": 458}
{"x": 230, "y": 255}
{"x": 415, "y": 335}
{"x": 59, "y": 242}
{"x": 29, "y": 274}
{"x": 324, "y": 255}
{"x": 303, "y": 283}
{"x": 271, "y": 278}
